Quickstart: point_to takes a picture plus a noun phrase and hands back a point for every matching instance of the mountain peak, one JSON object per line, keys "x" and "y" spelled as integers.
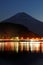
{"x": 22, "y": 14}
{"x": 28, "y": 21}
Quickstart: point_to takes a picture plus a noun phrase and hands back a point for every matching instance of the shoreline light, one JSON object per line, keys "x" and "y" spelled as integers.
{"x": 16, "y": 44}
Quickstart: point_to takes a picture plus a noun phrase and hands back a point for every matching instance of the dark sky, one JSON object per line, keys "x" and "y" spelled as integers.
{"x": 9, "y": 8}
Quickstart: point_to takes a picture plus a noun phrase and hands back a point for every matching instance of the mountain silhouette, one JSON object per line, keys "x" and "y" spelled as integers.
{"x": 9, "y": 30}
{"x": 28, "y": 21}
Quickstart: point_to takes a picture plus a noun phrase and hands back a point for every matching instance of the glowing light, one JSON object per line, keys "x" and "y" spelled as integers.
{"x": 16, "y": 44}
{"x": 0, "y": 45}
{"x": 21, "y": 45}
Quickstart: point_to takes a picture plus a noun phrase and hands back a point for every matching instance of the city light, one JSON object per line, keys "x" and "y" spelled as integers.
{"x": 22, "y": 44}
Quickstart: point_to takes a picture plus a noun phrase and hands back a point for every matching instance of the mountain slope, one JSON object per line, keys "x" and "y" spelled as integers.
{"x": 28, "y": 21}
{"x": 9, "y": 30}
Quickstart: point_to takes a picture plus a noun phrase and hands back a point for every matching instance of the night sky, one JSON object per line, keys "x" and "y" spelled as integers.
{"x": 9, "y": 8}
